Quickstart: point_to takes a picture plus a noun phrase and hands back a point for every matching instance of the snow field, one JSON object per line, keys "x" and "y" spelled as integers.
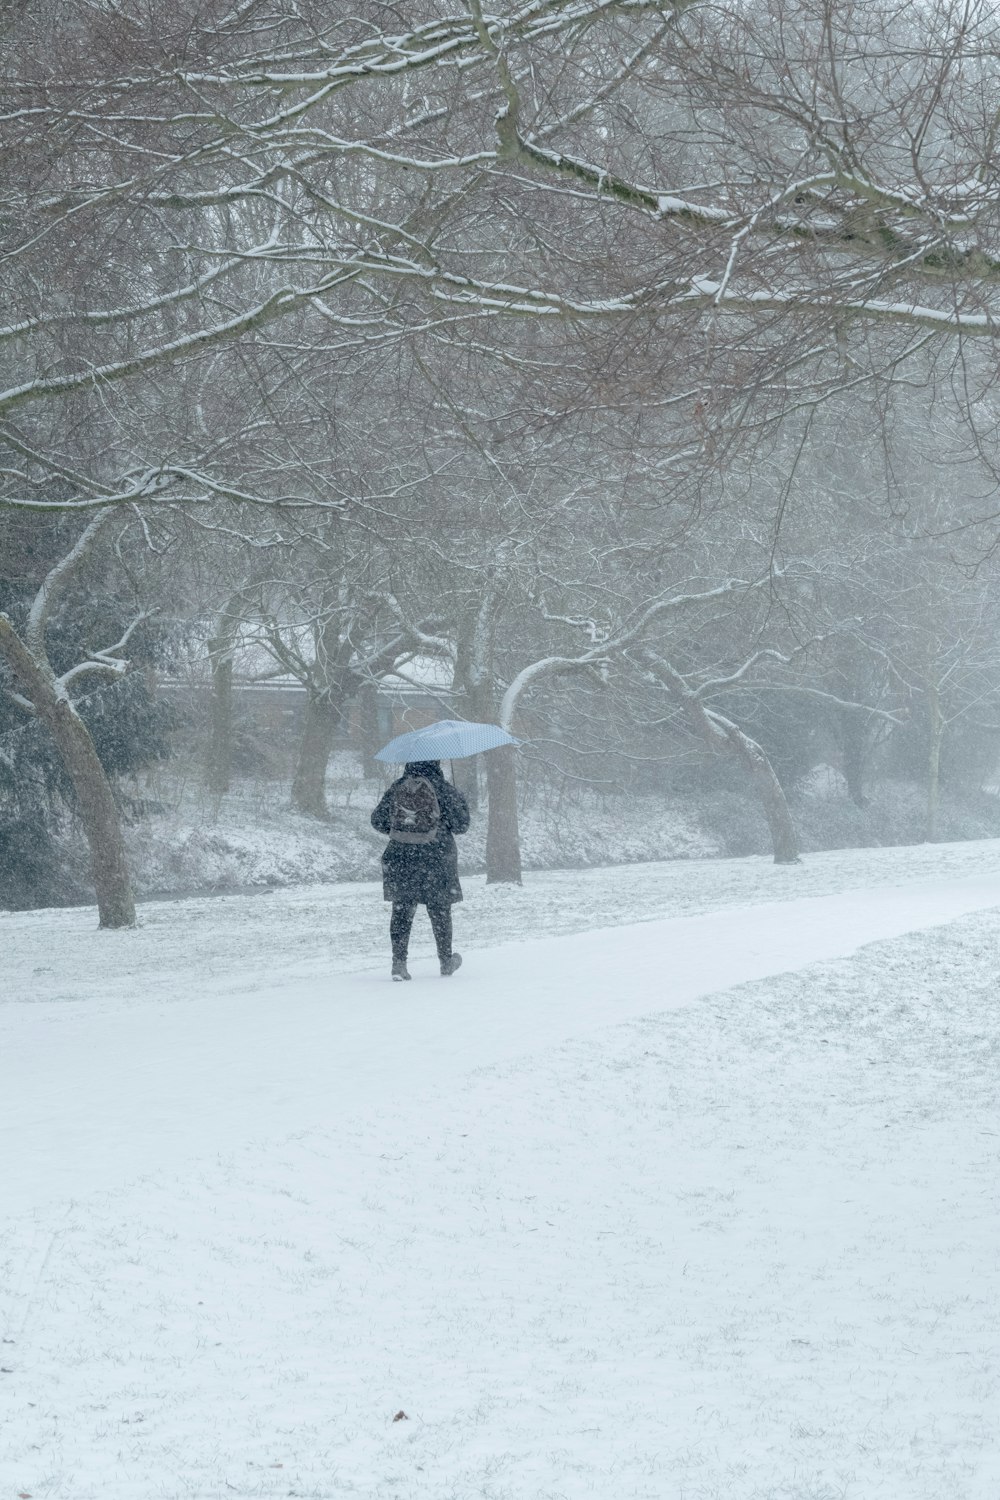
{"x": 746, "y": 1247}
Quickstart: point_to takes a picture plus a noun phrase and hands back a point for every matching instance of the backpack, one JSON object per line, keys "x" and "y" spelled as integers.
{"x": 414, "y": 811}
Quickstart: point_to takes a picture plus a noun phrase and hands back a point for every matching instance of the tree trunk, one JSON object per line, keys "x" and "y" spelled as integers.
{"x": 368, "y": 729}
{"x": 97, "y": 807}
{"x": 474, "y": 673}
{"x": 719, "y": 734}
{"x": 466, "y": 777}
{"x": 784, "y": 839}
{"x": 854, "y": 740}
{"x": 935, "y": 734}
{"x": 503, "y": 844}
{"x": 220, "y": 749}
{"x": 322, "y": 720}
{"x": 99, "y": 815}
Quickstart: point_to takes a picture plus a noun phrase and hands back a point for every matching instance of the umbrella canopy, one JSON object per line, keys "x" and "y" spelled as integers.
{"x": 448, "y": 739}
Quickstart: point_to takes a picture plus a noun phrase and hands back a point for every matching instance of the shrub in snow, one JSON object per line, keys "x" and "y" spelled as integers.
{"x": 821, "y": 781}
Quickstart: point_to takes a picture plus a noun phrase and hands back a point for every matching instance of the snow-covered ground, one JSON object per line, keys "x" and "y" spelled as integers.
{"x": 675, "y": 1190}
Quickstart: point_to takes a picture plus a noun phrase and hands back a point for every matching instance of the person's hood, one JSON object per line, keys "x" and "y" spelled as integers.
{"x": 429, "y": 768}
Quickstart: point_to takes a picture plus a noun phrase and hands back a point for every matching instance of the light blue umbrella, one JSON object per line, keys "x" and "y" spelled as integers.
{"x": 448, "y": 739}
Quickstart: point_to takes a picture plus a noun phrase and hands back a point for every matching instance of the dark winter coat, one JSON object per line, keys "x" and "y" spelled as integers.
{"x": 428, "y": 873}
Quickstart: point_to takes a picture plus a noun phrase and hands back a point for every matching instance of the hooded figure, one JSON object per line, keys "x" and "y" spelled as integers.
{"x": 423, "y": 871}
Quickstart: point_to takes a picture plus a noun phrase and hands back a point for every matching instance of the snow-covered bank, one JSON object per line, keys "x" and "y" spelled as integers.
{"x": 236, "y": 845}
{"x": 312, "y": 931}
{"x": 253, "y": 840}
{"x": 189, "y": 843}
{"x": 738, "y": 1246}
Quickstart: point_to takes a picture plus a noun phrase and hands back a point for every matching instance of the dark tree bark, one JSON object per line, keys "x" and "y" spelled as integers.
{"x": 466, "y": 776}
{"x": 503, "y": 838}
{"x": 322, "y": 721}
{"x": 95, "y": 800}
{"x": 935, "y": 734}
{"x": 784, "y": 839}
{"x": 854, "y": 742}
{"x": 475, "y": 675}
{"x": 503, "y": 843}
{"x": 368, "y": 729}
{"x": 220, "y": 748}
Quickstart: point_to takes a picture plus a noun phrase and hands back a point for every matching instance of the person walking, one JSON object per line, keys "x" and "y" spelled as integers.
{"x": 421, "y": 812}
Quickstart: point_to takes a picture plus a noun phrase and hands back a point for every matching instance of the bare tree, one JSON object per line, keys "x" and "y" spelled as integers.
{"x": 271, "y": 259}
{"x": 181, "y": 213}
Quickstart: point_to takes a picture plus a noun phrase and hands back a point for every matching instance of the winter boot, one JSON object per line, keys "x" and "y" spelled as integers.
{"x": 399, "y": 969}
{"x": 449, "y": 965}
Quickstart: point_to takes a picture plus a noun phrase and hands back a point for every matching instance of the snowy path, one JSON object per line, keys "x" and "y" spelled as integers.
{"x": 595, "y": 1235}
{"x": 102, "y": 1108}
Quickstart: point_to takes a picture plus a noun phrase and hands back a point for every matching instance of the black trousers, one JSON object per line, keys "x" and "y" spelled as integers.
{"x": 402, "y": 920}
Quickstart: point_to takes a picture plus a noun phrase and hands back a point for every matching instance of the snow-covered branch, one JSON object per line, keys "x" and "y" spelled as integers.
{"x": 55, "y": 583}
{"x": 106, "y": 662}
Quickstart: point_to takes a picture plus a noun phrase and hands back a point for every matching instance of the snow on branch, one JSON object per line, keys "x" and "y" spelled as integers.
{"x": 56, "y": 582}
{"x": 850, "y": 704}
{"x": 106, "y": 662}
{"x": 706, "y": 292}
{"x": 719, "y": 684}
{"x": 616, "y": 643}
{"x": 541, "y": 668}
{"x": 18, "y": 698}
{"x": 420, "y": 634}
{"x": 106, "y": 317}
